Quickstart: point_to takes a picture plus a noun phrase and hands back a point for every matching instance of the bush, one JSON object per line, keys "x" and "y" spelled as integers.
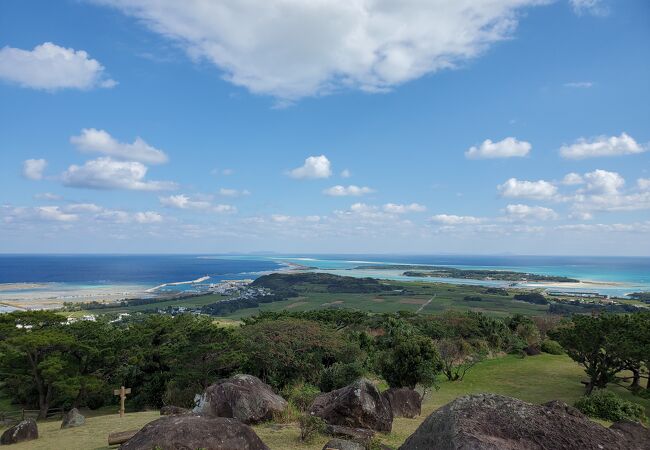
{"x": 290, "y": 414}
{"x": 607, "y": 405}
{"x": 310, "y": 426}
{"x": 552, "y": 347}
{"x": 472, "y": 298}
{"x": 339, "y": 375}
{"x": 301, "y": 395}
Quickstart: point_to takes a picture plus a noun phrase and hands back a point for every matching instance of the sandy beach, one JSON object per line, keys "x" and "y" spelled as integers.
{"x": 27, "y": 296}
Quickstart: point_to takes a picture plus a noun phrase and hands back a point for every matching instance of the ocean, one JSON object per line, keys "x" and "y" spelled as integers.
{"x": 83, "y": 277}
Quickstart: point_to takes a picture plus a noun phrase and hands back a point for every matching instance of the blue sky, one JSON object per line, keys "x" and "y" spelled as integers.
{"x": 509, "y": 126}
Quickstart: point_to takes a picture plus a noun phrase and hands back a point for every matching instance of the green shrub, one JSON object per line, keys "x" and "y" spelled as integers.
{"x": 310, "y": 427}
{"x": 552, "y": 347}
{"x": 607, "y": 405}
{"x": 301, "y": 395}
{"x": 290, "y": 414}
{"x": 339, "y": 375}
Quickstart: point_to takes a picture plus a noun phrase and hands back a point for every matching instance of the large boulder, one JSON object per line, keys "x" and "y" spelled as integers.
{"x": 342, "y": 444}
{"x": 21, "y": 432}
{"x": 170, "y": 410}
{"x": 193, "y": 432}
{"x": 359, "y": 405}
{"x": 73, "y": 418}
{"x": 242, "y": 397}
{"x": 360, "y": 435}
{"x": 495, "y": 422}
{"x": 404, "y": 402}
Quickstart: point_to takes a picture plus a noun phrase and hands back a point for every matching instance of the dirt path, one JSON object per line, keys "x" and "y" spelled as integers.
{"x": 422, "y": 307}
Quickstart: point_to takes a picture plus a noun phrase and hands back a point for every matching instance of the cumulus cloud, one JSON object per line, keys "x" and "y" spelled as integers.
{"x": 48, "y": 196}
{"x": 452, "y": 219}
{"x": 403, "y": 209}
{"x": 50, "y": 67}
{"x": 602, "y": 146}
{"x": 540, "y": 190}
{"x": 11, "y": 214}
{"x": 314, "y": 167}
{"x": 33, "y": 169}
{"x": 345, "y": 173}
{"x": 182, "y": 201}
{"x": 92, "y": 140}
{"x": 603, "y": 182}
{"x": 509, "y": 147}
{"x": 353, "y": 44}
{"x": 571, "y": 179}
{"x": 521, "y": 212}
{"x": 106, "y": 173}
{"x": 345, "y": 191}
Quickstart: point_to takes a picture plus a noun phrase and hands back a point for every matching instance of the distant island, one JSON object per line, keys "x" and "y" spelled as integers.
{"x": 468, "y": 274}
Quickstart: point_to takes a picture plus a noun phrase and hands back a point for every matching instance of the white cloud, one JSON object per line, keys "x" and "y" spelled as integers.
{"x": 233, "y": 192}
{"x": 50, "y": 67}
{"x": 55, "y": 213}
{"x": 82, "y": 207}
{"x": 525, "y": 212}
{"x": 182, "y": 201}
{"x": 345, "y": 173}
{"x": 106, "y": 173}
{"x": 515, "y": 188}
{"x": 148, "y": 217}
{"x": 507, "y": 148}
{"x": 351, "y": 44}
{"x": 92, "y": 140}
{"x": 33, "y": 169}
{"x": 403, "y": 209}
{"x": 643, "y": 184}
{"x": 344, "y": 191}
{"x": 603, "y": 182}
{"x": 593, "y": 7}
{"x": 451, "y": 219}
{"x": 571, "y": 179}
{"x": 602, "y": 146}
{"x": 314, "y": 167}
{"x": 579, "y": 84}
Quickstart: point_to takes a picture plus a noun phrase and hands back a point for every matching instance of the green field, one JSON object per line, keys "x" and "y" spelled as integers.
{"x": 443, "y": 297}
{"x": 535, "y": 379}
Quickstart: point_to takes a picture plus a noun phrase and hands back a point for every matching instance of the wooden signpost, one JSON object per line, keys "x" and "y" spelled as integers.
{"x": 122, "y": 393}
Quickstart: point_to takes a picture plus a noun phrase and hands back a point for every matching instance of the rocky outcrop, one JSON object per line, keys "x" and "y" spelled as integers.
{"x": 21, "y": 432}
{"x": 170, "y": 410}
{"x": 359, "y": 405}
{"x": 342, "y": 444}
{"x": 632, "y": 431}
{"x": 73, "y": 418}
{"x": 404, "y": 402}
{"x": 495, "y": 422}
{"x": 193, "y": 432}
{"x": 242, "y": 397}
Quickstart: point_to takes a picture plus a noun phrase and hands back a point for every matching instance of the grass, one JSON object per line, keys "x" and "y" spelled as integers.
{"x": 445, "y": 297}
{"x": 534, "y": 379}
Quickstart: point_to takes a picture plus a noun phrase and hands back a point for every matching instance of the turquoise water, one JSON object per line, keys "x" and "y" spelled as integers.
{"x": 629, "y": 274}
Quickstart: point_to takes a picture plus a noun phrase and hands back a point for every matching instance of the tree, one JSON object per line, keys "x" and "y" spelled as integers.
{"x": 407, "y": 357}
{"x": 593, "y": 342}
{"x": 457, "y": 357}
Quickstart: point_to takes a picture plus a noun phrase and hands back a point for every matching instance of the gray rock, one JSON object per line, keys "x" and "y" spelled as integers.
{"x": 21, "y": 432}
{"x": 194, "y": 432}
{"x": 495, "y": 422}
{"x": 361, "y": 435}
{"x": 170, "y": 410}
{"x": 404, "y": 402}
{"x": 342, "y": 444}
{"x": 73, "y": 418}
{"x": 242, "y": 397}
{"x": 632, "y": 431}
{"x": 359, "y": 405}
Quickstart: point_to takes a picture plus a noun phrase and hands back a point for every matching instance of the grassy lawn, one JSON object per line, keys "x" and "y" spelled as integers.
{"x": 535, "y": 379}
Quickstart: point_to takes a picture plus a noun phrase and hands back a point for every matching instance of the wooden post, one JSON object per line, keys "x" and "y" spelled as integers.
{"x": 122, "y": 391}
